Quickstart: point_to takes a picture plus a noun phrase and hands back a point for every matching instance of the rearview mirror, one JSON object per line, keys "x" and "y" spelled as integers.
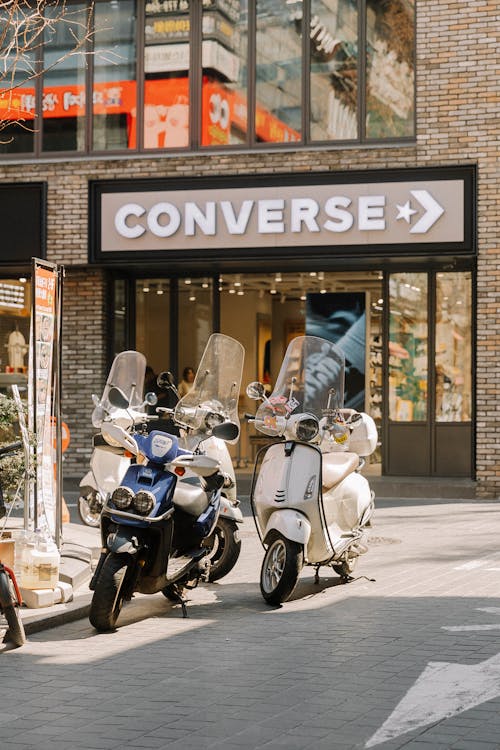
{"x": 226, "y": 431}
{"x": 255, "y": 390}
{"x": 117, "y": 398}
{"x": 165, "y": 380}
{"x": 151, "y": 399}
{"x": 96, "y": 400}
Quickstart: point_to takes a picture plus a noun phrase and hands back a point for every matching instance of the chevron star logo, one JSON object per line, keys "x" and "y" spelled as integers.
{"x": 433, "y": 211}
{"x": 444, "y": 689}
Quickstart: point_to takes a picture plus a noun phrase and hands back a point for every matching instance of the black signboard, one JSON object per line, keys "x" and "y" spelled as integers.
{"x": 22, "y": 218}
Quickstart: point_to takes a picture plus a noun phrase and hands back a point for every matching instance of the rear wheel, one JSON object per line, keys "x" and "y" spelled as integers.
{"x": 225, "y": 547}
{"x": 280, "y": 570}
{"x": 107, "y": 601}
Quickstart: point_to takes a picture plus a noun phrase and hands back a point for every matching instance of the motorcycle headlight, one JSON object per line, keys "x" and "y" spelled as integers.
{"x": 144, "y": 502}
{"x": 122, "y": 498}
{"x": 212, "y": 419}
{"x": 306, "y": 429}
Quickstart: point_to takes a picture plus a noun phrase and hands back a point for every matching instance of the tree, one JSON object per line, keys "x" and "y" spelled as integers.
{"x": 26, "y": 27}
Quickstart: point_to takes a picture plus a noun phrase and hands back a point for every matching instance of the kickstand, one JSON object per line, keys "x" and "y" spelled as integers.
{"x": 316, "y": 574}
{"x": 175, "y": 596}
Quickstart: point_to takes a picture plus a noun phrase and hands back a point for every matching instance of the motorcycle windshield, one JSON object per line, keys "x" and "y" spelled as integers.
{"x": 127, "y": 373}
{"x": 213, "y": 398}
{"x": 311, "y": 368}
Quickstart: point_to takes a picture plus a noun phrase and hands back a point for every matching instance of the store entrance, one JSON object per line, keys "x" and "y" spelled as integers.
{"x": 407, "y": 338}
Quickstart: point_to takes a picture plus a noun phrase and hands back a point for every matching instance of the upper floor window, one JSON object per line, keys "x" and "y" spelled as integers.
{"x": 143, "y": 75}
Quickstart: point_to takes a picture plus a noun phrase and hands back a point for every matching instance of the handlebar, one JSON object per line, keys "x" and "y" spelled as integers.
{"x": 10, "y": 448}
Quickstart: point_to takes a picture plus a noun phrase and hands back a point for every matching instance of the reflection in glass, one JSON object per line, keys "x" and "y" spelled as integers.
{"x": 224, "y": 53}
{"x": 278, "y": 71}
{"x": 408, "y": 355}
{"x": 152, "y": 323}
{"x": 15, "y": 302}
{"x": 334, "y": 70}
{"x": 63, "y": 104}
{"x": 453, "y": 347}
{"x": 195, "y": 316}
{"x": 390, "y": 83}
{"x": 166, "y": 65}
{"x": 114, "y": 90}
{"x": 17, "y": 94}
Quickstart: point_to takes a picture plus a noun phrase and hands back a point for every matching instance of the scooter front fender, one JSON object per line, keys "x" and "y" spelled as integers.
{"x": 230, "y": 511}
{"x": 121, "y": 542}
{"x": 289, "y": 523}
{"x": 89, "y": 481}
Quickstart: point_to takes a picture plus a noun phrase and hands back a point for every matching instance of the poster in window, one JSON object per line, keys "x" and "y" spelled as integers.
{"x": 340, "y": 317}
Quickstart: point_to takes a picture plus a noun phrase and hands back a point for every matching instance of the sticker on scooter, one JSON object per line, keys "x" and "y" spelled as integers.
{"x": 291, "y": 405}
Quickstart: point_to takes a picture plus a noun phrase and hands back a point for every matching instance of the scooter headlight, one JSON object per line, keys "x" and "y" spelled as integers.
{"x": 122, "y": 498}
{"x": 144, "y": 502}
{"x": 306, "y": 429}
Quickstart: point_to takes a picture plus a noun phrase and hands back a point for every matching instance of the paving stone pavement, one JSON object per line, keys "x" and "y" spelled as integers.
{"x": 410, "y": 659}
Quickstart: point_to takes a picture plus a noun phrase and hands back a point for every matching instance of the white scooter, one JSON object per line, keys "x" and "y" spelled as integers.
{"x": 108, "y": 464}
{"x": 310, "y": 503}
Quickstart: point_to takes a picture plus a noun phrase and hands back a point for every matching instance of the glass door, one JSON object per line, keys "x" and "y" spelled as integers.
{"x": 428, "y": 382}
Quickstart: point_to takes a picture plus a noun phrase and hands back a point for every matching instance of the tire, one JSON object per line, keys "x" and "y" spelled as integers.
{"x": 225, "y": 548}
{"x": 280, "y": 569}
{"x": 345, "y": 568}
{"x": 107, "y": 601}
{"x": 15, "y": 634}
{"x": 87, "y": 516}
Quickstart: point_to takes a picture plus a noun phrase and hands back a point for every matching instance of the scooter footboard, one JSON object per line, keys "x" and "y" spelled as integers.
{"x": 289, "y": 523}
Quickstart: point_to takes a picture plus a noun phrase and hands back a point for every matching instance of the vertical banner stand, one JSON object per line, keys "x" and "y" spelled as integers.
{"x": 45, "y": 391}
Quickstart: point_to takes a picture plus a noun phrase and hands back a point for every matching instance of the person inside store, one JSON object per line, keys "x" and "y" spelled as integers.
{"x": 187, "y": 381}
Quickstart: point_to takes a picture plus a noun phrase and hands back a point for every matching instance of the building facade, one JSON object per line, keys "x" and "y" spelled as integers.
{"x": 236, "y": 173}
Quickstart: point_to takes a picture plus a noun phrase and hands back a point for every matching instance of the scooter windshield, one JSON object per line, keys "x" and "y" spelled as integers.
{"x": 127, "y": 373}
{"x": 311, "y": 368}
{"x": 213, "y": 398}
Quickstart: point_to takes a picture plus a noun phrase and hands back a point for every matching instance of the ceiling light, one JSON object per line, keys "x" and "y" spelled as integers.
{"x": 322, "y": 291}
{"x": 159, "y": 291}
{"x": 277, "y": 278}
{"x": 240, "y": 292}
{"x": 23, "y": 279}
{"x": 145, "y": 288}
{"x": 380, "y": 302}
{"x": 303, "y": 297}
{"x": 273, "y": 291}
{"x": 312, "y": 273}
{"x": 205, "y": 284}
{"x": 232, "y": 291}
{"x": 192, "y": 298}
{"x": 321, "y": 275}
{"x": 187, "y": 281}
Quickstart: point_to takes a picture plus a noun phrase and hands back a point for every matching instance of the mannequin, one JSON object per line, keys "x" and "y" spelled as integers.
{"x": 16, "y": 348}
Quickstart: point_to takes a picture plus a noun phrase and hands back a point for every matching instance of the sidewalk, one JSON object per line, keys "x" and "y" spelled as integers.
{"x": 78, "y": 542}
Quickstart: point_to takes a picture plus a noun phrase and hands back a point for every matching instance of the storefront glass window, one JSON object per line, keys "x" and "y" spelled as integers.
{"x": 334, "y": 70}
{"x": 224, "y": 85}
{"x": 63, "y": 104}
{"x": 114, "y": 90}
{"x": 408, "y": 349}
{"x": 17, "y": 97}
{"x": 166, "y": 66}
{"x": 453, "y": 347}
{"x": 195, "y": 320}
{"x": 15, "y": 304}
{"x": 152, "y": 326}
{"x": 390, "y": 75}
{"x": 120, "y": 317}
{"x": 279, "y": 71}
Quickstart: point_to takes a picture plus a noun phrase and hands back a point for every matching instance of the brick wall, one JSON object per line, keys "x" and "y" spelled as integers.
{"x": 457, "y": 123}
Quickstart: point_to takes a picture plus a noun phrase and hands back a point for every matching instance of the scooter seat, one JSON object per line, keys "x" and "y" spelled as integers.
{"x": 336, "y": 466}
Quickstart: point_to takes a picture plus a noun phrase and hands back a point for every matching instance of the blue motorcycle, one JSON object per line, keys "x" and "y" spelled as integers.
{"x": 155, "y": 525}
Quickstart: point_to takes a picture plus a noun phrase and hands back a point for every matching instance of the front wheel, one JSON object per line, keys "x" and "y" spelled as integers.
{"x": 108, "y": 596}
{"x": 280, "y": 570}
{"x": 89, "y": 509}
{"x": 10, "y": 608}
{"x": 225, "y": 547}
